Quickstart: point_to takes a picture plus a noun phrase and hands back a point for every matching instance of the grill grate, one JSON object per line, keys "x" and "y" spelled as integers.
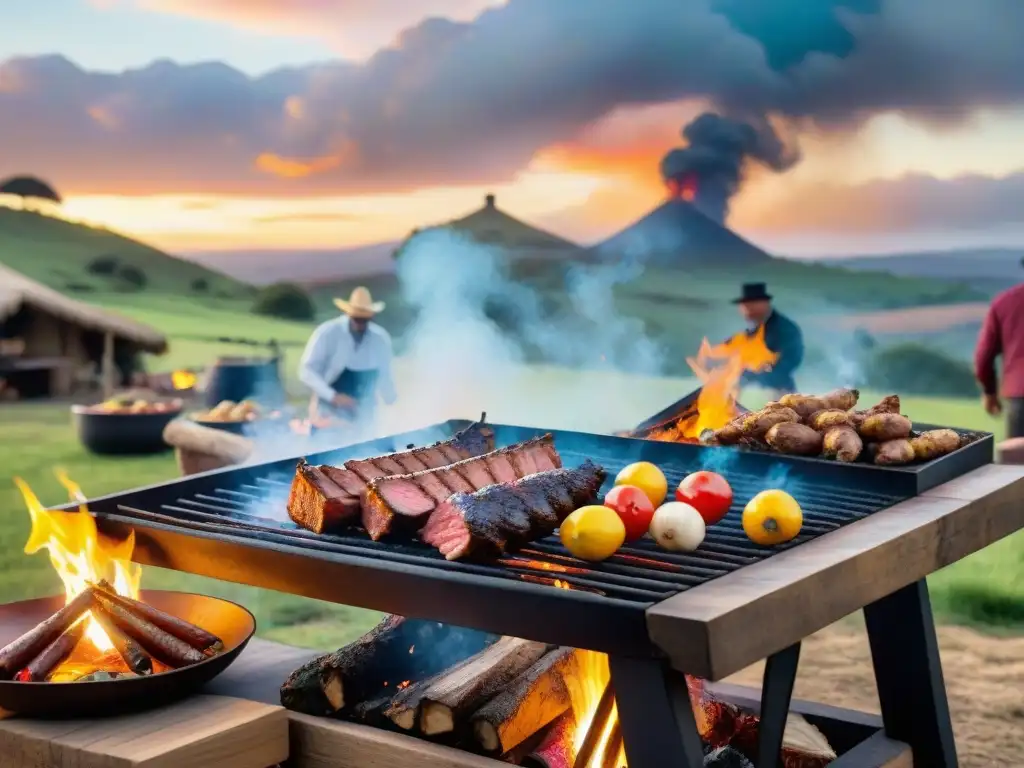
{"x": 641, "y": 572}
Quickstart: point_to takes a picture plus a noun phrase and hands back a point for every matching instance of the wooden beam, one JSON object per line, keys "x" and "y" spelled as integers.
{"x": 724, "y": 625}
{"x": 107, "y": 365}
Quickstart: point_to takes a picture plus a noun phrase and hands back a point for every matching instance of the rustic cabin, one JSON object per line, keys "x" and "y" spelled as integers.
{"x": 54, "y": 346}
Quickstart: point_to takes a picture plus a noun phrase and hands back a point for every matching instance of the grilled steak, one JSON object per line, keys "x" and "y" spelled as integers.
{"x": 474, "y": 440}
{"x": 403, "y": 502}
{"x": 326, "y": 497}
{"x": 318, "y": 503}
{"x": 503, "y": 518}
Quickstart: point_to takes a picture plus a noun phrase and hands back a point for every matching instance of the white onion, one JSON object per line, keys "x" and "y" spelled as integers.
{"x": 677, "y": 527}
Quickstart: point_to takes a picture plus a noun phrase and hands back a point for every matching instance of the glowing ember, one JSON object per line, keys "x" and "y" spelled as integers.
{"x": 182, "y": 380}
{"x": 719, "y": 369}
{"x": 404, "y": 684}
{"x": 81, "y": 556}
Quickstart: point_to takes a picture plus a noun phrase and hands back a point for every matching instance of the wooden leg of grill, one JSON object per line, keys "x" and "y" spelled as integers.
{"x": 776, "y": 696}
{"x": 908, "y": 672}
{"x": 658, "y": 727}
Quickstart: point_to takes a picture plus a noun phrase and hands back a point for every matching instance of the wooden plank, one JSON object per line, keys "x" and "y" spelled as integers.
{"x": 203, "y": 730}
{"x": 321, "y": 743}
{"x": 722, "y": 626}
{"x": 877, "y": 752}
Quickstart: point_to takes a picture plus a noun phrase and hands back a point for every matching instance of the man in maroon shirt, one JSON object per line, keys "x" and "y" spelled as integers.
{"x": 1002, "y": 335}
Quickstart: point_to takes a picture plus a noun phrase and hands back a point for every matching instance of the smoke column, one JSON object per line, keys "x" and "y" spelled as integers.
{"x": 709, "y": 170}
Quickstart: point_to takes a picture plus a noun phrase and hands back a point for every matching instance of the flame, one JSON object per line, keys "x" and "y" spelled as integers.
{"x": 78, "y": 552}
{"x": 183, "y": 380}
{"x": 716, "y": 404}
{"x": 684, "y": 188}
{"x": 585, "y": 691}
{"x": 404, "y": 684}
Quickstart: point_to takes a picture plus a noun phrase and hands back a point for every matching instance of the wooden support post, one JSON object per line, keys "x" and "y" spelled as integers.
{"x": 107, "y": 366}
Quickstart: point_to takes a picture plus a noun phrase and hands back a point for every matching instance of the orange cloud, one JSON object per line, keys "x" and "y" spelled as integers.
{"x": 292, "y": 168}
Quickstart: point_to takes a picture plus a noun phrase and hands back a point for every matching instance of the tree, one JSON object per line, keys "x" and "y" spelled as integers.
{"x": 285, "y": 300}
{"x": 29, "y": 188}
{"x": 132, "y": 278}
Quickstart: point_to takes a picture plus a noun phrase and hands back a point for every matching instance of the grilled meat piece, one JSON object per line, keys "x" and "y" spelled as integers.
{"x": 318, "y": 503}
{"x": 503, "y": 518}
{"x": 474, "y": 440}
{"x": 403, "y": 502}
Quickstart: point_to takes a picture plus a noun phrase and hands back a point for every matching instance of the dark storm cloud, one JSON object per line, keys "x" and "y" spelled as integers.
{"x": 472, "y": 102}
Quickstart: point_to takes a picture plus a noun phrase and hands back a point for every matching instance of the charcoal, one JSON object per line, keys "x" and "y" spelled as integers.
{"x": 726, "y": 757}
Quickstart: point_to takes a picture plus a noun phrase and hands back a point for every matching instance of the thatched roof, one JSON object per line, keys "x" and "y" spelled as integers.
{"x": 29, "y": 186}
{"x": 491, "y": 226}
{"x": 17, "y": 291}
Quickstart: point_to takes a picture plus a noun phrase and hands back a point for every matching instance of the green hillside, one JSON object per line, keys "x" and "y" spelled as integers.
{"x": 64, "y": 255}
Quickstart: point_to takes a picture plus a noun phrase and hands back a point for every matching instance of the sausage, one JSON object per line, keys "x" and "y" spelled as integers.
{"x": 882, "y": 427}
{"x": 797, "y": 439}
{"x": 842, "y": 443}
{"x": 893, "y": 452}
{"x": 934, "y": 443}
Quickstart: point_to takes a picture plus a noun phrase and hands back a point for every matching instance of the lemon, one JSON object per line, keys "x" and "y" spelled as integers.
{"x": 593, "y": 533}
{"x": 772, "y": 517}
{"x": 648, "y": 478}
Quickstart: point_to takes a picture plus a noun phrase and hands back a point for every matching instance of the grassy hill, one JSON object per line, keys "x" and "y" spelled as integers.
{"x": 58, "y": 253}
{"x": 986, "y": 269}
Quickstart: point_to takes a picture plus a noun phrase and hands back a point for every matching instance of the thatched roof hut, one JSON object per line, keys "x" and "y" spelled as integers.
{"x": 490, "y": 226}
{"x": 61, "y": 337}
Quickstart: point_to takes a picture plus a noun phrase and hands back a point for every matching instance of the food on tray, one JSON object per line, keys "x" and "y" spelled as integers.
{"x": 230, "y": 411}
{"x": 404, "y": 502}
{"x": 139, "y": 633}
{"x": 842, "y": 443}
{"x": 647, "y": 477}
{"x": 501, "y": 518}
{"x": 678, "y": 527}
{"x": 132, "y": 404}
{"x": 772, "y": 517}
{"x": 829, "y": 426}
{"x": 330, "y": 496}
{"x": 794, "y": 438}
{"x": 707, "y": 492}
{"x": 633, "y": 508}
{"x": 593, "y": 533}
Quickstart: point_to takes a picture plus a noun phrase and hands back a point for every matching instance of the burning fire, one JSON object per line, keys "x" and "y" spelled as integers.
{"x": 719, "y": 369}
{"x": 684, "y": 188}
{"x": 182, "y": 380}
{"x": 585, "y": 692}
{"x": 81, "y": 556}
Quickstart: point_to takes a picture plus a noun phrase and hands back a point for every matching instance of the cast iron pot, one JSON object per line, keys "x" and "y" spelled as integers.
{"x": 122, "y": 434}
{"x": 240, "y": 378}
{"x": 232, "y": 623}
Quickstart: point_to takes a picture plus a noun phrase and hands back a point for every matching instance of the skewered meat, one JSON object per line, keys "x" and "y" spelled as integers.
{"x": 797, "y": 439}
{"x": 824, "y": 420}
{"x": 894, "y": 452}
{"x": 842, "y": 443}
{"x": 405, "y": 501}
{"x": 503, "y": 518}
{"x": 881, "y": 427}
{"x": 756, "y": 424}
{"x": 934, "y": 443}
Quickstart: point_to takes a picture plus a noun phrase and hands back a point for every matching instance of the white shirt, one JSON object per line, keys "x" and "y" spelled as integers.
{"x": 332, "y": 349}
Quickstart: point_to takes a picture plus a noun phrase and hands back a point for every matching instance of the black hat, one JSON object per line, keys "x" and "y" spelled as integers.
{"x": 753, "y": 292}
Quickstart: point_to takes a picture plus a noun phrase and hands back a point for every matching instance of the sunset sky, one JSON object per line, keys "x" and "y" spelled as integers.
{"x": 240, "y": 124}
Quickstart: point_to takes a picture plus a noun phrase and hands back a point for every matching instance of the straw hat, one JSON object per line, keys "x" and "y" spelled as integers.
{"x": 360, "y": 304}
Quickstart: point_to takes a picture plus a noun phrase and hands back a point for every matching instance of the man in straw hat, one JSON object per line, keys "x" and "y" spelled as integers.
{"x": 347, "y": 362}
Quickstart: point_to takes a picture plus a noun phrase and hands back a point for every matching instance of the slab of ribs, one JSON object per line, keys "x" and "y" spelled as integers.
{"x": 461, "y": 495}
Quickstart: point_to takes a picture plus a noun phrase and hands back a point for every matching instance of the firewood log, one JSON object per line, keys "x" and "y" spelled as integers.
{"x": 555, "y": 751}
{"x": 534, "y": 699}
{"x": 185, "y": 434}
{"x": 396, "y": 650}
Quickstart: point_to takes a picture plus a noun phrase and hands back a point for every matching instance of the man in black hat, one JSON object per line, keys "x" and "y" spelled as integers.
{"x": 781, "y": 335}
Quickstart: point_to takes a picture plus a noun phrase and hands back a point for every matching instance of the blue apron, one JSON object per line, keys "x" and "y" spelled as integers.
{"x": 361, "y": 386}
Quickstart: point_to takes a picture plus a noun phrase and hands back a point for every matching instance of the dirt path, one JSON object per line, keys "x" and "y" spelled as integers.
{"x": 984, "y": 677}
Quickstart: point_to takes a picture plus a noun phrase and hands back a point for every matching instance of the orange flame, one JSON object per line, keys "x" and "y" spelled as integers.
{"x": 719, "y": 369}
{"x": 79, "y": 554}
{"x": 181, "y": 380}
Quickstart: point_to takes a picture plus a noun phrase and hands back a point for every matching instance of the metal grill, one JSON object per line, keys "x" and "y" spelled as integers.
{"x": 227, "y": 524}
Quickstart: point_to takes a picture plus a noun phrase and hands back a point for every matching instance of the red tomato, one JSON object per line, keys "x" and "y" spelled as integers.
{"x": 708, "y": 493}
{"x": 634, "y": 508}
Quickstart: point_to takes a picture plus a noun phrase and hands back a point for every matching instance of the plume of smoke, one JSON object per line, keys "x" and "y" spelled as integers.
{"x": 711, "y": 166}
{"x": 459, "y": 361}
